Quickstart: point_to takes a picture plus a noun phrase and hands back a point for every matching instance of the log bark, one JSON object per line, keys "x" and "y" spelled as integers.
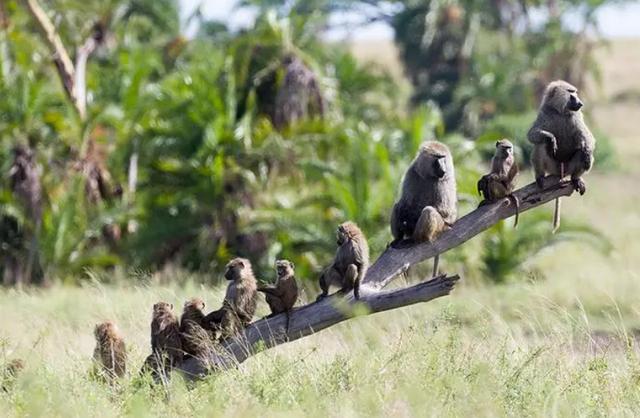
{"x": 306, "y": 320}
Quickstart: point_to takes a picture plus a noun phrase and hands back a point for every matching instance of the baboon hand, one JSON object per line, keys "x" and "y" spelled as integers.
{"x": 579, "y": 185}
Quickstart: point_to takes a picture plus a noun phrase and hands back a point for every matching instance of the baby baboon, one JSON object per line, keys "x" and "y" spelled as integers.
{"x": 428, "y": 202}
{"x": 110, "y": 353}
{"x": 500, "y": 182}
{"x": 195, "y": 339}
{"x": 562, "y": 142}
{"x": 284, "y": 294}
{"x": 350, "y": 263}
{"x": 240, "y": 301}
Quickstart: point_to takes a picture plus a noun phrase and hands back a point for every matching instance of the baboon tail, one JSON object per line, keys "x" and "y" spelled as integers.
{"x": 436, "y": 261}
{"x": 516, "y": 203}
{"x": 556, "y": 216}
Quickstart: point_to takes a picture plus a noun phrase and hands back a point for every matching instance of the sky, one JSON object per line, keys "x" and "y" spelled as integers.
{"x": 616, "y": 21}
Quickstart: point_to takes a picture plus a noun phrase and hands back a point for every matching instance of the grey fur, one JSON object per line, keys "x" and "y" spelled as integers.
{"x": 500, "y": 182}
{"x": 563, "y": 144}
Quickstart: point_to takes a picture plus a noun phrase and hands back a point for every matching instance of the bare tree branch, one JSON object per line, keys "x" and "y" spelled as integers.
{"x": 80, "y": 80}
{"x": 61, "y": 58}
{"x": 74, "y": 78}
{"x": 314, "y": 317}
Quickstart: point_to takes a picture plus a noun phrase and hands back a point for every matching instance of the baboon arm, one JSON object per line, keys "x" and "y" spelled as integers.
{"x": 214, "y": 317}
{"x": 539, "y": 136}
{"x": 395, "y": 227}
{"x": 513, "y": 173}
{"x": 271, "y": 290}
{"x": 361, "y": 271}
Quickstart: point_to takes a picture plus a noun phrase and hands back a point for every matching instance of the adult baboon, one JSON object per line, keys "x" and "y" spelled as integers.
{"x": 428, "y": 203}
{"x": 562, "y": 142}
{"x": 240, "y": 301}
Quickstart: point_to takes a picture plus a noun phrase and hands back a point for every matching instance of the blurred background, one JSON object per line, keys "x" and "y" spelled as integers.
{"x": 139, "y": 138}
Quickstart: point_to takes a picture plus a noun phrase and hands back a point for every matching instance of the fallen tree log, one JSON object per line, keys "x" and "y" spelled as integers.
{"x": 306, "y": 320}
{"x": 309, "y": 319}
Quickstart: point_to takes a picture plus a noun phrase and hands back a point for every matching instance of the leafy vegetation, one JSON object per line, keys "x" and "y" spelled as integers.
{"x": 254, "y": 143}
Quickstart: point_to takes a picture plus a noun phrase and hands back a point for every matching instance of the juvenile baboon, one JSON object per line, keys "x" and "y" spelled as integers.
{"x": 240, "y": 301}
{"x": 562, "y": 142}
{"x": 166, "y": 345}
{"x": 110, "y": 353}
{"x": 500, "y": 182}
{"x": 284, "y": 294}
{"x": 428, "y": 202}
{"x": 195, "y": 339}
{"x": 350, "y": 263}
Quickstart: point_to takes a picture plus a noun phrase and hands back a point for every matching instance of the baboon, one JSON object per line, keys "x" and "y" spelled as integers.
{"x": 240, "y": 301}
{"x": 350, "y": 263}
{"x": 562, "y": 142}
{"x": 110, "y": 353}
{"x": 428, "y": 200}
{"x": 196, "y": 341}
{"x": 500, "y": 182}
{"x": 166, "y": 346}
{"x": 9, "y": 374}
{"x": 284, "y": 294}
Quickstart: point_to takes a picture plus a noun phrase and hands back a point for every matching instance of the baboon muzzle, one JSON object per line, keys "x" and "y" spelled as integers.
{"x": 575, "y": 104}
{"x": 439, "y": 168}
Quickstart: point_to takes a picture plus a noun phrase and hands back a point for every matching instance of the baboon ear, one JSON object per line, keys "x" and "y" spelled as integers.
{"x": 497, "y": 144}
{"x": 171, "y": 305}
{"x": 241, "y": 264}
{"x": 293, "y": 266}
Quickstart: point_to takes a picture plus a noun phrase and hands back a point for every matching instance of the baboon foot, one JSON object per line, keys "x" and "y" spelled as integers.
{"x": 321, "y": 296}
{"x": 540, "y": 181}
{"x": 579, "y": 185}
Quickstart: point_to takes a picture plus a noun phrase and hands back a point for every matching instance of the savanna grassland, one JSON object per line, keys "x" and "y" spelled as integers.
{"x": 563, "y": 344}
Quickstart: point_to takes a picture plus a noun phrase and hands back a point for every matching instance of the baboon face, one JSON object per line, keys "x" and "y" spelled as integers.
{"x": 195, "y": 303}
{"x": 504, "y": 148}
{"x": 162, "y": 307}
{"x": 105, "y": 329}
{"x": 563, "y": 97}
{"x": 234, "y": 269}
{"x": 284, "y": 268}
{"x": 432, "y": 164}
{"x": 341, "y": 235}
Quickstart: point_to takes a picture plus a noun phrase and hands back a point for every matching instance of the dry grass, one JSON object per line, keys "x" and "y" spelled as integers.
{"x": 563, "y": 346}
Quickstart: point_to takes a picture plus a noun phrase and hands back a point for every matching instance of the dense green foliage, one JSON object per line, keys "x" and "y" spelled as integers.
{"x": 253, "y": 143}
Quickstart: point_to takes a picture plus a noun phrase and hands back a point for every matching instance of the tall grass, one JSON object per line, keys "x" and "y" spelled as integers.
{"x": 517, "y": 350}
